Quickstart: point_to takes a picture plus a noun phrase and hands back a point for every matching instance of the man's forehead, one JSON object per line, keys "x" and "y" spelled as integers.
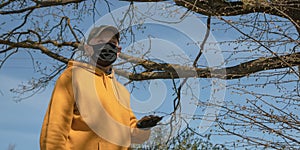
{"x": 102, "y": 30}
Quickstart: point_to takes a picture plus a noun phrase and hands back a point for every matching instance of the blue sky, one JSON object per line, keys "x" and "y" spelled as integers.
{"x": 21, "y": 121}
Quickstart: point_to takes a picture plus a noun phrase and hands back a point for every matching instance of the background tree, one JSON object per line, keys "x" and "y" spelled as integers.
{"x": 185, "y": 140}
{"x": 262, "y": 63}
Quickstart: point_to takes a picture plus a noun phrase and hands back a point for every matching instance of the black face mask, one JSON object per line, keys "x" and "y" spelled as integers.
{"x": 105, "y": 54}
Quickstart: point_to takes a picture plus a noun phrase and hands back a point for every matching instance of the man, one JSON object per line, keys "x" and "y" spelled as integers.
{"x": 89, "y": 109}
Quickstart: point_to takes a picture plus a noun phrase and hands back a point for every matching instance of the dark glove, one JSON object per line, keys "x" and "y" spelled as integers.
{"x": 148, "y": 121}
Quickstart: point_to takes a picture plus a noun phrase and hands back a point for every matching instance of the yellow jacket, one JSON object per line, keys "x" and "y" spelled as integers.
{"x": 89, "y": 110}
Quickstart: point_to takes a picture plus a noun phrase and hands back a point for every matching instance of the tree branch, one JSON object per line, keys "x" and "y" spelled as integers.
{"x": 144, "y": 0}
{"x": 164, "y": 71}
{"x": 40, "y": 4}
{"x": 288, "y": 8}
{"x": 40, "y": 47}
{"x": 169, "y": 71}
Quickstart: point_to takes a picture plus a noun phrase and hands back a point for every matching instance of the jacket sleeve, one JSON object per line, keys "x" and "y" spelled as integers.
{"x": 138, "y": 136}
{"x": 58, "y": 118}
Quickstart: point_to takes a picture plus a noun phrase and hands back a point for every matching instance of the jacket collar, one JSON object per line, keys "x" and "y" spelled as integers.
{"x": 91, "y": 68}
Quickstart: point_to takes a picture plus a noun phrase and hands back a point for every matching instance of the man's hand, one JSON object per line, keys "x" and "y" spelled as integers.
{"x": 148, "y": 121}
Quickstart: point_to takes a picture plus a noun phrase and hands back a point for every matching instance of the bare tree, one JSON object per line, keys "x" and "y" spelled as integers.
{"x": 262, "y": 62}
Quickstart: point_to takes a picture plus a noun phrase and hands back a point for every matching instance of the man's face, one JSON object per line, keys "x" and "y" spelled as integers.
{"x": 107, "y": 55}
